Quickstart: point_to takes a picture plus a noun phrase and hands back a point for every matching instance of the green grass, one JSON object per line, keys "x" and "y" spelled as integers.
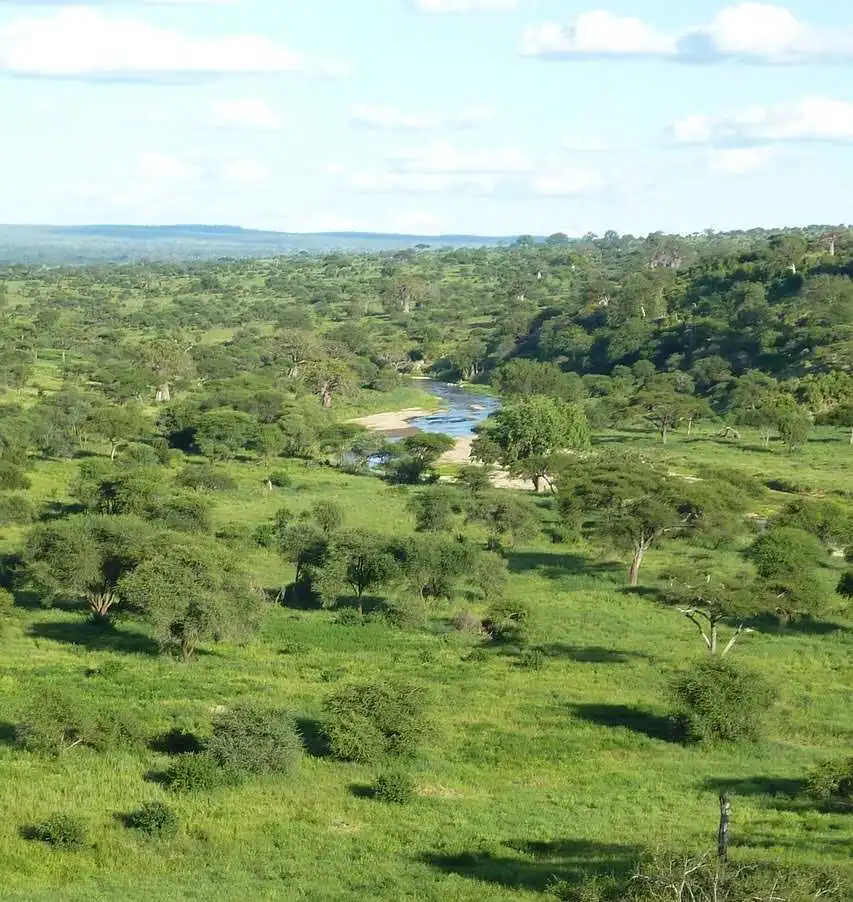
{"x": 528, "y": 773}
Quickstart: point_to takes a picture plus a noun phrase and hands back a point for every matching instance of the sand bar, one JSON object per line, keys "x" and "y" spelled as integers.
{"x": 394, "y": 420}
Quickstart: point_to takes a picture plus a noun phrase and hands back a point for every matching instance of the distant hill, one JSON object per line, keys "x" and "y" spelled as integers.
{"x": 117, "y": 243}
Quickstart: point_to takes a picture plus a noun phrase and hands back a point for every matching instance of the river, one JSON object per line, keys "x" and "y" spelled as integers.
{"x": 462, "y": 409}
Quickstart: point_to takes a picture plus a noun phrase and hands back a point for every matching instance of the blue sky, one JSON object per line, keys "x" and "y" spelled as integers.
{"x": 427, "y": 116}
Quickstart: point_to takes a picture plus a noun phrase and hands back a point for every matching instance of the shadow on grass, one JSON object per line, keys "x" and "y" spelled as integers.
{"x": 176, "y": 742}
{"x": 571, "y": 861}
{"x": 555, "y": 565}
{"x": 362, "y": 791}
{"x": 8, "y": 735}
{"x": 806, "y": 626}
{"x": 313, "y": 737}
{"x": 95, "y": 637}
{"x": 58, "y": 510}
{"x": 591, "y": 654}
{"x": 756, "y": 786}
{"x": 646, "y": 723}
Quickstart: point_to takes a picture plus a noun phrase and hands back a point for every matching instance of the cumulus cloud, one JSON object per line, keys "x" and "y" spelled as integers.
{"x": 385, "y": 182}
{"x": 747, "y": 32}
{"x": 79, "y": 42}
{"x": 249, "y": 113}
{"x": 389, "y": 118}
{"x": 464, "y": 6}
{"x": 567, "y": 183}
{"x": 446, "y": 158}
{"x": 809, "y": 119}
{"x": 739, "y": 160}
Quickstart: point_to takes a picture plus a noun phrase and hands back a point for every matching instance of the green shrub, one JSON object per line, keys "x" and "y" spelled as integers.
{"x": 506, "y": 620}
{"x": 368, "y": 722}
{"x": 349, "y": 617}
{"x": 408, "y": 613}
{"x": 832, "y": 782}
{"x": 467, "y": 622}
{"x": 154, "y": 819}
{"x": 281, "y": 479}
{"x": 12, "y": 477}
{"x": 718, "y": 702}
{"x": 61, "y": 831}
{"x": 532, "y": 659}
{"x": 16, "y": 510}
{"x": 253, "y": 740}
{"x": 394, "y": 786}
{"x": 207, "y": 477}
{"x": 196, "y": 773}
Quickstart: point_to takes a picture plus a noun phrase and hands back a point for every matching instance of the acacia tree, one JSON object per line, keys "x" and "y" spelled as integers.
{"x": 710, "y": 602}
{"x": 357, "y": 560}
{"x": 85, "y": 556}
{"x": 637, "y": 505}
{"x": 524, "y": 434}
{"x": 191, "y": 590}
{"x": 119, "y": 425}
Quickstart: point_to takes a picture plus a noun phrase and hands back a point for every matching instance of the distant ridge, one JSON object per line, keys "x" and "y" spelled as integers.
{"x": 99, "y": 243}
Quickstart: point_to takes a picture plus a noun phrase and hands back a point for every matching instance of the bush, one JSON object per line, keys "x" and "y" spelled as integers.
{"x": 281, "y": 479}
{"x": 196, "y": 773}
{"x": 349, "y": 617}
{"x": 506, "y": 621}
{"x": 832, "y": 782}
{"x": 394, "y": 786}
{"x": 61, "y": 831}
{"x": 16, "y": 509}
{"x": 266, "y": 535}
{"x": 408, "y": 613}
{"x": 205, "y": 476}
{"x": 467, "y": 622}
{"x": 12, "y": 477}
{"x": 253, "y": 740}
{"x": 155, "y": 819}
{"x": 369, "y": 722}
{"x": 718, "y": 702}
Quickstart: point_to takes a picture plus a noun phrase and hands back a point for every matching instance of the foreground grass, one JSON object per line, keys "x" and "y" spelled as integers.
{"x": 558, "y": 770}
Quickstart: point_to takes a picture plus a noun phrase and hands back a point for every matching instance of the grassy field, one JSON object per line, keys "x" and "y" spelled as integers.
{"x": 538, "y": 766}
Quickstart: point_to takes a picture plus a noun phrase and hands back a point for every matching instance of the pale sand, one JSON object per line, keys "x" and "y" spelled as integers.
{"x": 398, "y": 420}
{"x": 394, "y": 420}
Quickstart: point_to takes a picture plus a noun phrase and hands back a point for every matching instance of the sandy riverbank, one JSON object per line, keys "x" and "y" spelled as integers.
{"x": 394, "y": 420}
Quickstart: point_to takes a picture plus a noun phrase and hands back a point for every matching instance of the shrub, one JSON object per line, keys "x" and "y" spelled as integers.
{"x": 408, "y": 613}
{"x": 832, "y": 782}
{"x": 349, "y": 617}
{"x": 16, "y": 509}
{"x": 467, "y": 622}
{"x": 205, "y": 476}
{"x": 532, "y": 659}
{"x": 12, "y": 477}
{"x": 718, "y": 702}
{"x": 155, "y": 819}
{"x": 266, "y": 535}
{"x": 368, "y": 722}
{"x": 281, "y": 479}
{"x": 255, "y": 741}
{"x": 196, "y": 773}
{"x": 177, "y": 741}
{"x": 506, "y": 621}
{"x": 61, "y": 831}
{"x": 394, "y": 786}
{"x": 328, "y": 515}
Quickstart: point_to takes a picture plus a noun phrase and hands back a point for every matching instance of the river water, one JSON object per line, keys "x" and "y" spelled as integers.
{"x": 463, "y": 410}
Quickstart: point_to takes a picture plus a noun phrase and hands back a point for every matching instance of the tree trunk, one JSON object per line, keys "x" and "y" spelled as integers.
{"x": 723, "y": 832}
{"x": 163, "y": 394}
{"x": 664, "y": 433}
{"x": 114, "y": 450}
{"x": 851, "y": 435}
{"x": 636, "y": 563}
{"x": 537, "y": 481}
{"x": 326, "y": 392}
{"x": 101, "y": 603}
{"x": 712, "y": 645}
{"x": 690, "y": 426}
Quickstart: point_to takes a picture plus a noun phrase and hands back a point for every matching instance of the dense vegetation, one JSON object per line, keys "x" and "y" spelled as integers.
{"x": 253, "y": 650}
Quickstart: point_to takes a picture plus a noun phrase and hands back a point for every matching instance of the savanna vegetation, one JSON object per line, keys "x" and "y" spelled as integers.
{"x": 253, "y": 650}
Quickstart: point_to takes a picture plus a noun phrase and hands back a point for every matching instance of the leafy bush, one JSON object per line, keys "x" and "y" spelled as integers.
{"x": 718, "y": 702}
{"x": 368, "y": 722}
{"x": 205, "y": 476}
{"x": 532, "y": 659}
{"x": 16, "y": 509}
{"x": 255, "y": 741}
{"x": 349, "y": 617}
{"x": 281, "y": 479}
{"x": 394, "y": 786}
{"x": 506, "y": 621}
{"x": 832, "y": 782}
{"x": 12, "y": 477}
{"x": 177, "y": 741}
{"x": 196, "y": 773}
{"x": 467, "y": 622}
{"x": 155, "y": 819}
{"x": 408, "y": 613}
{"x": 328, "y": 515}
{"x": 61, "y": 831}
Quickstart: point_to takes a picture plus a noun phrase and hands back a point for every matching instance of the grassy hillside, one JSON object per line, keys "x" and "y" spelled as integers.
{"x": 546, "y": 759}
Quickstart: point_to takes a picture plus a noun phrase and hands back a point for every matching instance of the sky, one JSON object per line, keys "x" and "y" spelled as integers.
{"x": 490, "y": 117}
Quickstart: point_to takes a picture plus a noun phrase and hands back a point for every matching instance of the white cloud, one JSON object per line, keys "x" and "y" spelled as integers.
{"x": 382, "y": 182}
{"x": 739, "y": 160}
{"x": 808, "y": 119}
{"x": 249, "y": 113}
{"x": 79, "y": 42}
{"x": 746, "y": 32}
{"x": 391, "y": 119}
{"x": 579, "y": 144}
{"x": 464, "y": 6}
{"x": 442, "y": 157}
{"x": 567, "y": 183}
{"x": 245, "y": 169}
{"x": 161, "y": 167}
{"x": 596, "y": 33}
{"x": 31, "y": 3}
